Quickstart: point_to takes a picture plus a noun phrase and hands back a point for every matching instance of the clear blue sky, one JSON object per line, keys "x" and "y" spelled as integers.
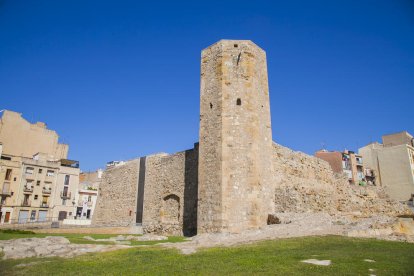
{"x": 120, "y": 79}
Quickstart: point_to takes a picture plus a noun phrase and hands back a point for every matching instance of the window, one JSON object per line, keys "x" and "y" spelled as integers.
{"x": 36, "y": 196}
{"x": 38, "y": 183}
{"x": 238, "y": 101}
{"x": 14, "y": 179}
{"x": 29, "y": 170}
{"x": 8, "y": 174}
{"x": 67, "y": 180}
{"x": 40, "y": 170}
{"x": 89, "y": 198}
{"x": 50, "y": 173}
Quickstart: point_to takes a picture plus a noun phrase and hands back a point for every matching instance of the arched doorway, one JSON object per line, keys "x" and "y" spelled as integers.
{"x": 171, "y": 209}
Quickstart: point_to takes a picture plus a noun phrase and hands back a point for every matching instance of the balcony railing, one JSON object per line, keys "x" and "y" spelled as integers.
{"x": 28, "y": 189}
{"x": 44, "y": 205}
{"x": 88, "y": 203}
{"x": 47, "y": 191}
{"x": 65, "y": 195}
{"x": 26, "y": 203}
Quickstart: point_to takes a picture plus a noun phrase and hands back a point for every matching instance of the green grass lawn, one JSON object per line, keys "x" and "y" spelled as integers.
{"x": 281, "y": 257}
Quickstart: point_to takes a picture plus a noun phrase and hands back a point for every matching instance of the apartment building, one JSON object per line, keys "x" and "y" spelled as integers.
{"x": 21, "y": 138}
{"x": 44, "y": 191}
{"x": 10, "y": 174}
{"x": 87, "y": 194}
{"x": 348, "y": 163}
{"x": 393, "y": 163}
{"x": 35, "y": 188}
{"x": 64, "y": 201}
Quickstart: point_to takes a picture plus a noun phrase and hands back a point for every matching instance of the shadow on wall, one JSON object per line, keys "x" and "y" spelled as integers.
{"x": 190, "y": 192}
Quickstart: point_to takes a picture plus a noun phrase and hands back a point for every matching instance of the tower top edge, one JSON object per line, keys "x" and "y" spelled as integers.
{"x": 228, "y": 42}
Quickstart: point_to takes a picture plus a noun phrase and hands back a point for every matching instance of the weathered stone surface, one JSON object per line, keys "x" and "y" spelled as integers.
{"x": 317, "y": 262}
{"x": 49, "y": 247}
{"x": 170, "y": 194}
{"x": 116, "y": 204}
{"x": 307, "y": 184}
{"x": 235, "y": 166}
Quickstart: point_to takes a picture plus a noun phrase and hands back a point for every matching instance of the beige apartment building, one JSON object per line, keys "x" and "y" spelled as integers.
{"x": 34, "y": 188}
{"x": 348, "y": 163}
{"x": 393, "y": 163}
{"x": 21, "y": 138}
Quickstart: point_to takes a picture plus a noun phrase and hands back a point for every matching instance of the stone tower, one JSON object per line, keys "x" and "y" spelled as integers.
{"x": 235, "y": 165}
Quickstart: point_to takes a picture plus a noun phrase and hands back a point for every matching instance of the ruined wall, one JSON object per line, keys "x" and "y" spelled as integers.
{"x": 168, "y": 189}
{"x": 235, "y": 179}
{"x": 170, "y": 200}
{"x": 116, "y": 204}
{"x": 306, "y": 184}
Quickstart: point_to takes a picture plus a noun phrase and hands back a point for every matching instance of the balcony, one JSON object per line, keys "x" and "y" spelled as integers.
{"x": 44, "y": 205}
{"x": 5, "y": 192}
{"x": 46, "y": 191}
{"x": 28, "y": 189}
{"x": 65, "y": 195}
{"x": 26, "y": 203}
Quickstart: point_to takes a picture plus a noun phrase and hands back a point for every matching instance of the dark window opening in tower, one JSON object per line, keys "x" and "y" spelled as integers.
{"x": 236, "y": 45}
{"x": 238, "y": 101}
{"x": 211, "y": 106}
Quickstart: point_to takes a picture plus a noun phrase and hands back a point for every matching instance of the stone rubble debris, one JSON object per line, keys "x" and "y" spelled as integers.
{"x": 50, "y": 247}
{"x": 299, "y": 225}
{"x": 126, "y": 239}
{"x": 317, "y": 262}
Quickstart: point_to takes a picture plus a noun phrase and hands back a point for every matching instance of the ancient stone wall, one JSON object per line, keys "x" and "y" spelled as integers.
{"x": 237, "y": 176}
{"x": 168, "y": 188}
{"x": 307, "y": 184}
{"x": 116, "y": 204}
{"x": 170, "y": 200}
